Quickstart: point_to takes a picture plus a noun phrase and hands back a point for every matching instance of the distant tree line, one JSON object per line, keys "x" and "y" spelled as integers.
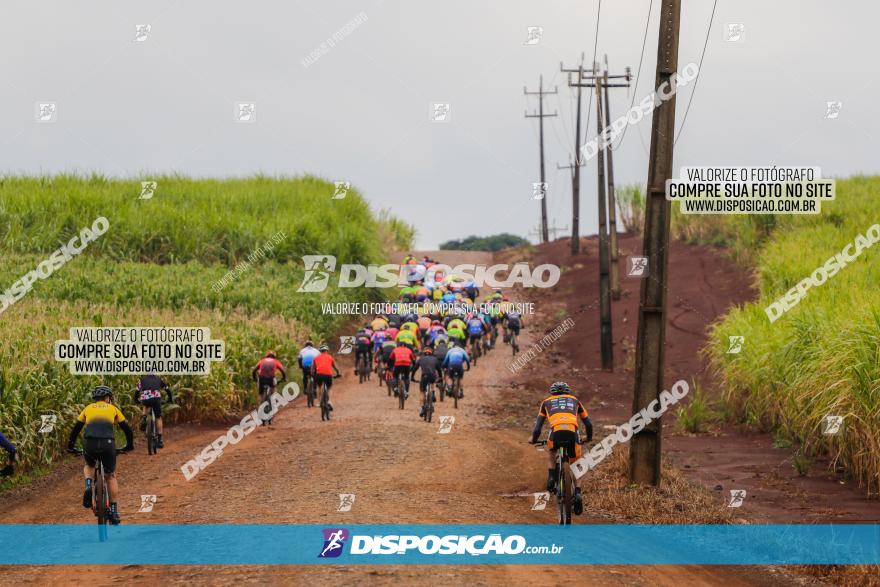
{"x": 485, "y": 243}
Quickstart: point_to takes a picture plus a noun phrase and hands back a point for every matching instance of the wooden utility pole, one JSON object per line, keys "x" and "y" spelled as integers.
{"x": 541, "y": 116}
{"x": 606, "y": 341}
{"x": 644, "y": 452}
{"x": 576, "y": 175}
{"x": 612, "y": 203}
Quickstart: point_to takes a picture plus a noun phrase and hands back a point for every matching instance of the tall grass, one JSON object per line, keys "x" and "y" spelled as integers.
{"x": 212, "y": 221}
{"x": 822, "y": 357}
{"x": 631, "y": 203}
{"x": 155, "y": 266}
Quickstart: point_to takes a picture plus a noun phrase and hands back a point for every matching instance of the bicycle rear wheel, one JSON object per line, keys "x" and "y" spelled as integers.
{"x": 152, "y": 439}
{"x": 456, "y": 390}
{"x": 325, "y": 403}
{"x": 564, "y": 494}
{"x": 429, "y": 410}
{"x": 401, "y": 394}
{"x": 102, "y": 507}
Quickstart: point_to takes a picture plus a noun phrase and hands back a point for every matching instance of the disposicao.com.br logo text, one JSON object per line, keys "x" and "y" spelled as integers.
{"x": 319, "y": 270}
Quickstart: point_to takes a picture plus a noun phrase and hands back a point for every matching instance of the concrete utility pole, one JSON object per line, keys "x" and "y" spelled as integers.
{"x": 612, "y": 203}
{"x": 606, "y": 341}
{"x": 576, "y": 175}
{"x": 541, "y": 116}
{"x": 644, "y": 452}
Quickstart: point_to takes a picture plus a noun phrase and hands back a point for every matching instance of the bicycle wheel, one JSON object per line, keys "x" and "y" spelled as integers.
{"x": 325, "y": 404}
{"x": 564, "y": 493}
{"x": 514, "y": 347}
{"x": 310, "y": 393}
{"x": 152, "y": 439}
{"x": 401, "y": 394}
{"x": 100, "y": 496}
{"x": 429, "y": 410}
{"x": 456, "y": 388}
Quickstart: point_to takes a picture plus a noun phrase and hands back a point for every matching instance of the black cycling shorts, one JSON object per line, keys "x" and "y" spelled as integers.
{"x": 425, "y": 379}
{"x": 154, "y": 403}
{"x": 320, "y": 379}
{"x": 566, "y": 439}
{"x": 100, "y": 449}
{"x": 265, "y": 382}
{"x": 513, "y": 327}
{"x": 453, "y": 370}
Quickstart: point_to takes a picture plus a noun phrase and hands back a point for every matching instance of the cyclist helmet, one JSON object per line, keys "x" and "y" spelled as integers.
{"x": 427, "y": 350}
{"x": 309, "y": 343}
{"x": 101, "y": 392}
{"x": 270, "y": 354}
{"x": 505, "y": 298}
{"x": 559, "y": 388}
{"x": 324, "y": 348}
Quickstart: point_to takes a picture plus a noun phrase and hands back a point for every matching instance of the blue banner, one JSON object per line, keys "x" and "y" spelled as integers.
{"x": 295, "y": 544}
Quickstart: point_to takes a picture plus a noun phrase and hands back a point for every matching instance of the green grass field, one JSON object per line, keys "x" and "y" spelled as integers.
{"x": 159, "y": 264}
{"x": 821, "y": 358}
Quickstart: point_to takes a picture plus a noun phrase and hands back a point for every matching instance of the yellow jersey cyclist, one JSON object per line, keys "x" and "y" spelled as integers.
{"x": 561, "y": 410}
{"x": 407, "y": 338}
{"x": 98, "y": 419}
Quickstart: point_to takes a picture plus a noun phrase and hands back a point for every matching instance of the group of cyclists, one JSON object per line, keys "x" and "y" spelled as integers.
{"x": 426, "y": 338}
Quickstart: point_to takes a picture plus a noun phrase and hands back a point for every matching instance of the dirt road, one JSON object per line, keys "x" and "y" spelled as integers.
{"x": 399, "y": 468}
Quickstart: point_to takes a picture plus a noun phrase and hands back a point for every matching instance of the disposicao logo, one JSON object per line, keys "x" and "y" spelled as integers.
{"x": 334, "y": 542}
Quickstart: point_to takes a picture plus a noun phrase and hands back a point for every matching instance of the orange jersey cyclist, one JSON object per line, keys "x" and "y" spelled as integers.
{"x": 561, "y": 411}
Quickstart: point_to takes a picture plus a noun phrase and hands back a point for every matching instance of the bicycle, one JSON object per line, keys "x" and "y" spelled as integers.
{"x": 152, "y": 433}
{"x": 454, "y": 388}
{"x": 565, "y": 483}
{"x": 401, "y": 391}
{"x": 513, "y": 344}
{"x": 309, "y": 385}
{"x": 475, "y": 348}
{"x": 265, "y": 394}
{"x": 362, "y": 370}
{"x": 325, "y": 400}
{"x": 100, "y": 495}
{"x": 427, "y": 402}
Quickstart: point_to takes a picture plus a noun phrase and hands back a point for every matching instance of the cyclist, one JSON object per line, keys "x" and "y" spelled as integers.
{"x": 406, "y": 337}
{"x": 306, "y": 355}
{"x": 409, "y": 259}
{"x": 98, "y": 418}
{"x": 400, "y": 362}
{"x": 379, "y": 322}
{"x": 323, "y": 369}
{"x": 363, "y": 347}
{"x": 456, "y": 334}
{"x": 512, "y": 322}
{"x": 475, "y": 329}
{"x": 561, "y": 409}
{"x": 149, "y": 395}
{"x": 430, "y": 366}
{"x": 10, "y": 449}
{"x": 455, "y": 357}
{"x": 264, "y": 375}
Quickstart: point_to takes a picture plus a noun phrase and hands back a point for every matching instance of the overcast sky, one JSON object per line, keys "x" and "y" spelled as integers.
{"x": 360, "y": 112}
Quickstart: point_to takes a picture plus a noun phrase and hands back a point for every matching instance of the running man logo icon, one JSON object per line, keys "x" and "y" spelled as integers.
{"x": 832, "y": 109}
{"x": 737, "y": 496}
{"x": 831, "y": 425}
{"x": 334, "y": 542}
{"x": 148, "y": 188}
{"x": 318, "y": 270}
{"x": 342, "y": 188}
{"x": 533, "y": 35}
{"x": 539, "y": 190}
{"x": 440, "y": 112}
{"x": 147, "y": 502}
{"x": 47, "y": 423}
{"x": 141, "y": 32}
{"x": 446, "y": 423}
{"x": 541, "y": 501}
{"x": 346, "y": 345}
{"x": 637, "y": 266}
{"x": 346, "y": 500}
{"x": 47, "y": 112}
{"x": 245, "y": 112}
{"x": 735, "y": 344}
{"x": 734, "y": 32}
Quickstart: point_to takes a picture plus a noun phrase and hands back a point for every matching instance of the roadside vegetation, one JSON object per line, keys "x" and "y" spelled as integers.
{"x": 822, "y": 357}
{"x": 161, "y": 264}
{"x": 492, "y": 243}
